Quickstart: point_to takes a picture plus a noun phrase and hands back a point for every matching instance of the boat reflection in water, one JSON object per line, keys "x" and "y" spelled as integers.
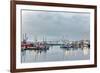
{"x": 55, "y": 53}
{"x": 85, "y": 50}
{"x": 76, "y": 51}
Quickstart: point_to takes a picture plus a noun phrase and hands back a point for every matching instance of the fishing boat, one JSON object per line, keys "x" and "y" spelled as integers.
{"x": 33, "y": 46}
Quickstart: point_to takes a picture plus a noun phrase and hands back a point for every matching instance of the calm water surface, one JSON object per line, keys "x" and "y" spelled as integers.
{"x": 55, "y": 53}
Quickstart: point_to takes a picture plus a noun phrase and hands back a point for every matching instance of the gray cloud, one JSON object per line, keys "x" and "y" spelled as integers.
{"x": 54, "y": 25}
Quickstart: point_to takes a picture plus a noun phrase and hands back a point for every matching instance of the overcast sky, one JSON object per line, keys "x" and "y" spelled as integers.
{"x": 55, "y": 25}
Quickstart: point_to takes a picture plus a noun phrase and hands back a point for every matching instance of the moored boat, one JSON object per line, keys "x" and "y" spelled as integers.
{"x": 65, "y": 46}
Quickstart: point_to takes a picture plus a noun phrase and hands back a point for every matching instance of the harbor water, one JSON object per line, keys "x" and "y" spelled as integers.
{"x": 55, "y": 53}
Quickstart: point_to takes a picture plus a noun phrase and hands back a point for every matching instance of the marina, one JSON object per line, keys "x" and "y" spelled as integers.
{"x": 49, "y": 36}
{"x": 45, "y": 51}
{"x": 40, "y": 45}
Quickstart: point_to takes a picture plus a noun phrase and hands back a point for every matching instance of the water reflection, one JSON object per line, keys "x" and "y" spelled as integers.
{"x": 85, "y": 51}
{"x": 55, "y": 53}
{"x": 75, "y": 51}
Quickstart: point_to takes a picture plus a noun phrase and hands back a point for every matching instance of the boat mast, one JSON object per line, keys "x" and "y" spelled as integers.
{"x": 44, "y": 39}
{"x": 35, "y": 39}
{"x": 25, "y": 37}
